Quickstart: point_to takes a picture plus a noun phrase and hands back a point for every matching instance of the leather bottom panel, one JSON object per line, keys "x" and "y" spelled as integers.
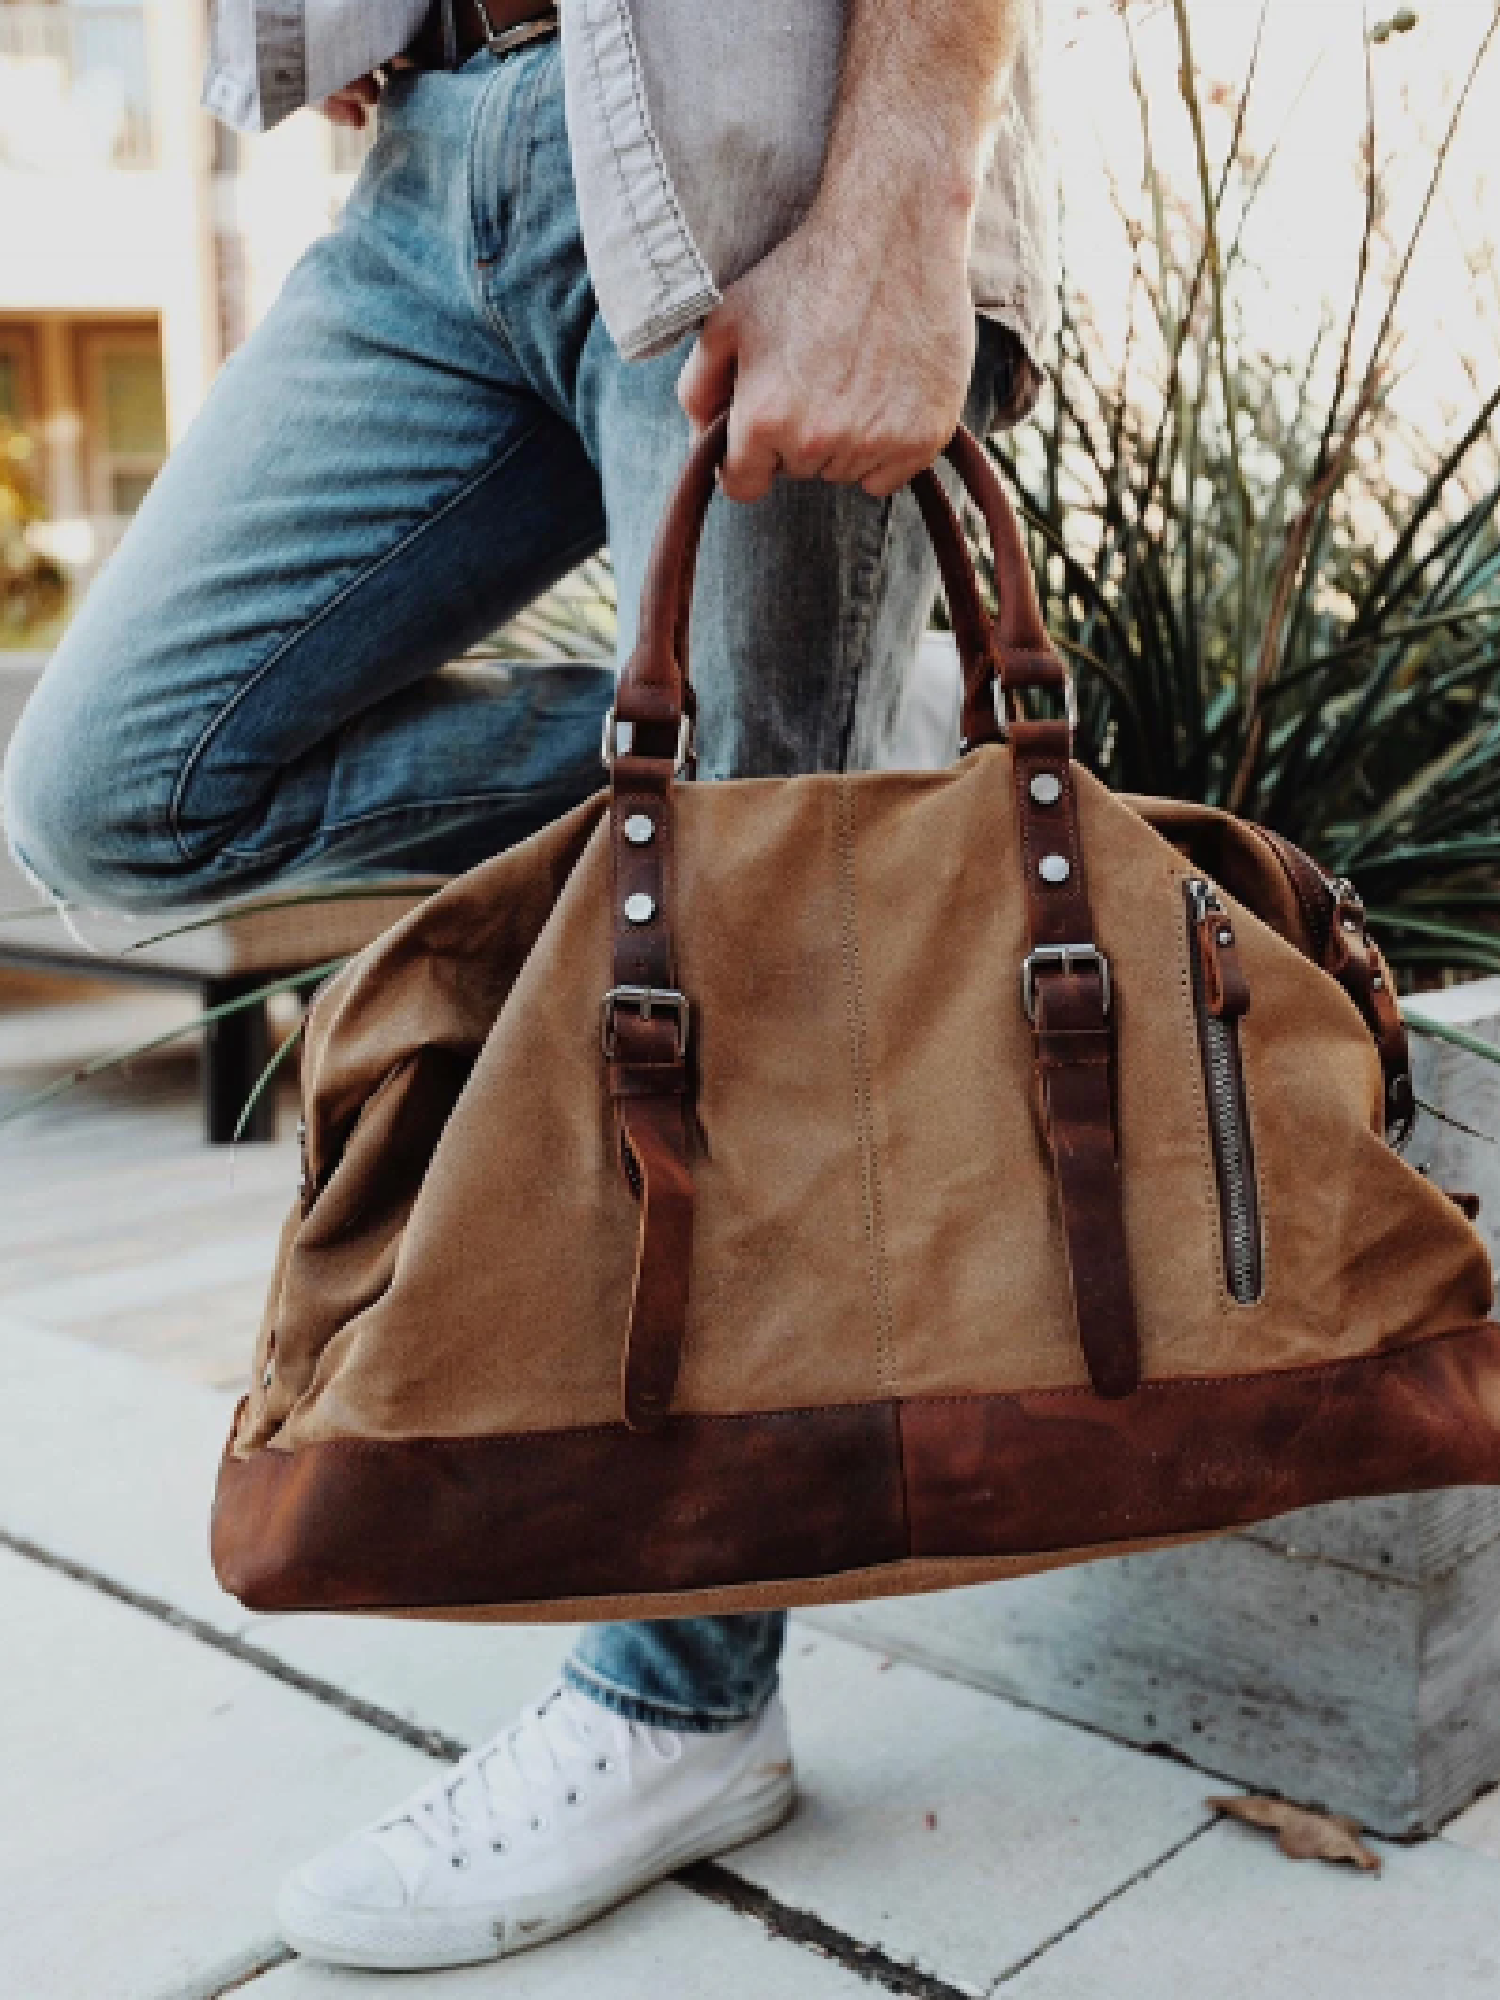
{"x": 720, "y": 1514}
{"x": 1007, "y": 1475}
{"x": 552, "y": 1514}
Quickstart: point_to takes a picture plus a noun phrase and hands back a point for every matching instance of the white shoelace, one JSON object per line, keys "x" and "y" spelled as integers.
{"x": 550, "y": 1755}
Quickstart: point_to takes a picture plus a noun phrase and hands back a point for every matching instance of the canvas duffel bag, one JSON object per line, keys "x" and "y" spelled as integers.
{"x": 789, "y": 1190}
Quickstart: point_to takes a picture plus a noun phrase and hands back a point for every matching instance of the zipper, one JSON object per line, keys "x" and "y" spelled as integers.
{"x": 1221, "y": 997}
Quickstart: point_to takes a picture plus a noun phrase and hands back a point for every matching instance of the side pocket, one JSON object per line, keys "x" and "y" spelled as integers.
{"x": 346, "y": 1230}
{"x": 1221, "y": 997}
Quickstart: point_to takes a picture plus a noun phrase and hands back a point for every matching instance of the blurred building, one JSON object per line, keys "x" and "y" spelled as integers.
{"x": 138, "y": 243}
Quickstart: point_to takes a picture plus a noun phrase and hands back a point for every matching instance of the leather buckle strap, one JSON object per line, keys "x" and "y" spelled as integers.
{"x": 619, "y": 741}
{"x": 1065, "y": 957}
{"x": 646, "y": 1002}
{"x": 1068, "y": 996}
{"x": 652, "y": 1118}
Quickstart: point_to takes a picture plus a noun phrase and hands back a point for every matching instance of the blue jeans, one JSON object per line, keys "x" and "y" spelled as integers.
{"x": 430, "y": 428}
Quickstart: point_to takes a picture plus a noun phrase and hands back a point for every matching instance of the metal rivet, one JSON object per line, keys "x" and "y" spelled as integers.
{"x": 640, "y": 908}
{"x": 640, "y": 829}
{"x": 1350, "y": 924}
{"x": 1226, "y": 936}
{"x": 1054, "y": 868}
{"x": 1377, "y": 982}
{"x": 1045, "y": 788}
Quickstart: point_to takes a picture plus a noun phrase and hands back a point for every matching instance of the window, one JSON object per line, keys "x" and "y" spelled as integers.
{"x": 17, "y": 358}
{"x": 127, "y": 415}
{"x": 10, "y": 388}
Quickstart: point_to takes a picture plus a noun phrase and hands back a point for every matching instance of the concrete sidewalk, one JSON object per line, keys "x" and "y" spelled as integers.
{"x": 164, "y": 1756}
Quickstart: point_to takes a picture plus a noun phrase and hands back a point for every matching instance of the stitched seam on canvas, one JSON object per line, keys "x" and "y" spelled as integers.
{"x": 813, "y": 1413}
{"x": 864, "y": 1104}
{"x": 1262, "y": 1221}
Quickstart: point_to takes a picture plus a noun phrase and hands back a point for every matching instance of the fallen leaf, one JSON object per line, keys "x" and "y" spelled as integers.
{"x": 1301, "y": 1834}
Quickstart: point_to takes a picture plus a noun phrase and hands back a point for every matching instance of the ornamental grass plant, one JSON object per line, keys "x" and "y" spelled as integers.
{"x": 1278, "y": 596}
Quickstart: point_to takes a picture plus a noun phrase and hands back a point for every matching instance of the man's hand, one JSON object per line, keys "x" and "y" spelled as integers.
{"x": 846, "y": 353}
{"x": 843, "y": 355}
{"x": 352, "y": 105}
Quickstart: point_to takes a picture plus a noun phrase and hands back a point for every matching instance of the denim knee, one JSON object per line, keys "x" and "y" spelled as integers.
{"x": 81, "y": 824}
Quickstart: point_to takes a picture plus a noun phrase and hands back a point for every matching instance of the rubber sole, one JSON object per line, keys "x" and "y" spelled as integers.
{"x": 431, "y": 1941}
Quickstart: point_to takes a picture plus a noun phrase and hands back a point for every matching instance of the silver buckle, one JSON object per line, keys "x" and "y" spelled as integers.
{"x": 647, "y": 1001}
{"x": 618, "y": 737}
{"x": 502, "y": 40}
{"x": 1070, "y": 704}
{"x": 1065, "y": 957}
{"x": 1002, "y": 713}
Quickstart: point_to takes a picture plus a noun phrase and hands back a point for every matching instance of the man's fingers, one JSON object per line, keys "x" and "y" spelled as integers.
{"x": 752, "y": 460}
{"x": 706, "y": 383}
{"x": 884, "y": 479}
{"x": 347, "y": 106}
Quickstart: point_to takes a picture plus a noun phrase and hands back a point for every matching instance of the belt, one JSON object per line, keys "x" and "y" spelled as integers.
{"x": 498, "y": 25}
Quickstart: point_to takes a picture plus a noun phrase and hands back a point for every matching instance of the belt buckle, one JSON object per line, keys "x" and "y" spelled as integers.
{"x": 500, "y": 41}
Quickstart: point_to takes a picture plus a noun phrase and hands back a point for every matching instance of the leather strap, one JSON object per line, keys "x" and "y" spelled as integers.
{"x": 1339, "y": 929}
{"x": 646, "y": 1018}
{"x": 1355, "y": 960}
{"x": 645, "y": 1039}
{"x": 1075, "y": 1047}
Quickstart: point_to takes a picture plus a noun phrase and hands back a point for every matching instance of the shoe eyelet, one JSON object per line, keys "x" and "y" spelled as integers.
{"x": 604, "y": 1763}
{"x": 539, "y": 1824}
{"x": 458, "y": 1860}
{"x": 497, "y": 1847}
{"x": 574, "y": 1796}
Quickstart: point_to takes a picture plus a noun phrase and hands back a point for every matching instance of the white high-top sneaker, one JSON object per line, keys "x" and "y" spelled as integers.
{"x": 564, "y": 1814}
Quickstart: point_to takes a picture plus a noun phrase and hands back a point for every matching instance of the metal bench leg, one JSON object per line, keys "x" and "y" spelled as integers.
{"x": 236, "y": 1050}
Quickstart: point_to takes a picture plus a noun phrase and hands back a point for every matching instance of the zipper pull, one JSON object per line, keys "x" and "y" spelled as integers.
{"x": 1226, "y": 991}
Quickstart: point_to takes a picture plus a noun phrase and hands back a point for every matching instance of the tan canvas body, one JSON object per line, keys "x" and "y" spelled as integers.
{"x": 876, "y": 1215}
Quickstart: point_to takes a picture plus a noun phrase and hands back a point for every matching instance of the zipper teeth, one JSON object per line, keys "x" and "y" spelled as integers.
{"x": 1221, "y": 1070}
{"x": 1233, "y": 1154}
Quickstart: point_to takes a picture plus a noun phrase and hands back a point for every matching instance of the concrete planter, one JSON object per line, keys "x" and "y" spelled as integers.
{"x": 1346, "y": 1656}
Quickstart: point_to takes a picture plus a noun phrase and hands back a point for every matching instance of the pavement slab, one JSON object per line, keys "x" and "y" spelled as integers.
{"x": 155, "y": 1792}
{"x": 463, "y": 1680}
{"x": 1232, "y": 1918}
{"x": 110, "y": 1461}
{"x": 951, "y": 1829}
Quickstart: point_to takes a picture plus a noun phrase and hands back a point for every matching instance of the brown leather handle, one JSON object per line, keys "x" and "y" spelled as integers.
{"x": 1011, "y": 649}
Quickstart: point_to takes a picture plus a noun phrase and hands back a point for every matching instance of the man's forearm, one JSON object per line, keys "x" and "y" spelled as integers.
{"x": 921, "y": 85}
{"x": 846, "y": 352}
